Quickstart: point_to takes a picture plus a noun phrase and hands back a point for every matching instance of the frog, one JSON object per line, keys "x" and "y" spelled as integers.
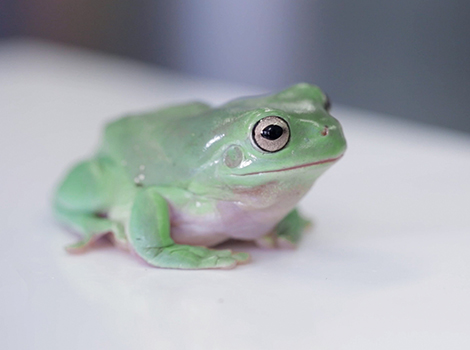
{"x": 170, "y": 185}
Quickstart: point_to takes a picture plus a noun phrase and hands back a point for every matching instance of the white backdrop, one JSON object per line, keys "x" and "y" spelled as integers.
{"x": 386, "y": 265}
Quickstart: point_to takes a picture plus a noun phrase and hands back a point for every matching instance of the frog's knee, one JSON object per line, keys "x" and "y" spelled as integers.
{"x": 84, "y": 188}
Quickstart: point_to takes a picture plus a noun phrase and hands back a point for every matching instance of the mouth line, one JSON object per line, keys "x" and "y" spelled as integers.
{"x": 329, "y": 160}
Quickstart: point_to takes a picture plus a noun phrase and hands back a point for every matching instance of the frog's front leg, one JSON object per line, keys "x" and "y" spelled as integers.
{"x": 149, "y": 235}
{"x": 287, "y": 232}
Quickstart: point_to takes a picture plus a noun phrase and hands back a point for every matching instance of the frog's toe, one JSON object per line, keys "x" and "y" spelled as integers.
{"x": 284, "y": 243}
{"x": 80, "y": 246}
{"x": 223, "y": 259}
{"x": 76, "y": 248}
{"x": 241, "y": 258}
{"x": 218, "y": 262}
{"x": 205, "y": 252}
{"x": 266, "y": 242}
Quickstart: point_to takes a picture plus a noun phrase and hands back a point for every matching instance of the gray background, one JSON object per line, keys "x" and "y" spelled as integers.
{"x": 406, "y": 58}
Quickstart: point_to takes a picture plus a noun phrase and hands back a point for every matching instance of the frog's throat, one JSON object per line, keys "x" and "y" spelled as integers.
{"x": 329, "y": 160}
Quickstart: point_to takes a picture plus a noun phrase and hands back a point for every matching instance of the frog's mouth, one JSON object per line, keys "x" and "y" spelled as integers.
{"x": 328, "y": 160}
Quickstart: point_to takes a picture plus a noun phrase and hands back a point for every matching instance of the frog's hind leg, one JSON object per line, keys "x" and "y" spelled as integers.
{"x": 91, "y": 227}
{"x": 89, "y": 189}
{"x": 287, "y": 233}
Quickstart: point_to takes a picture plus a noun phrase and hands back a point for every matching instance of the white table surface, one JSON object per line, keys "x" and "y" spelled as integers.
{"x": 387, "y": 265}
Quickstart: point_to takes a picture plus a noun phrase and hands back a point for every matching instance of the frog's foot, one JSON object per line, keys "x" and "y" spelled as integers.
{"x": 286, "y": 243}
{"x": 268, "y": 241}
{"x": 91, "y": 227}
{"x": 83, "y": 244}
{"x": 273, "y": 241}
{"x": 113, "y": 229}
{"x": 178, "y": 256}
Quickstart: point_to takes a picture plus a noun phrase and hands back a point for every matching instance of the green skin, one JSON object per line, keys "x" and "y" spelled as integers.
{"x": 171, "y": 183}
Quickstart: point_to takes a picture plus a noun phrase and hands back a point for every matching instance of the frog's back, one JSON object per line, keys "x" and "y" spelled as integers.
{"x": 136, "y": 123}
{"x": 137, "y": 142}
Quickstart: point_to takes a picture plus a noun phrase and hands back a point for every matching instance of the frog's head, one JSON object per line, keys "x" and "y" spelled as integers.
{"x": 274, "y": 143}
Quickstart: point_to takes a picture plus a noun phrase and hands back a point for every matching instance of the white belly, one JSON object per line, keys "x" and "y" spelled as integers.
{"x": 230, "y": 220}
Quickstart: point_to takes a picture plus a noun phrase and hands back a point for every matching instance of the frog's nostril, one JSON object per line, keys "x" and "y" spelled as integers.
{"x": 325, "y": 131}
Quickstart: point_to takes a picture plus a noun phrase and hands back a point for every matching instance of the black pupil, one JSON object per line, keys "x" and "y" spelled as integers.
{"x": 272, "y": 132}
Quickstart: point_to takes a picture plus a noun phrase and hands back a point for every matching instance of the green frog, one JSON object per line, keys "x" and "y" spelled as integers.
{"x": 171, "y": 184}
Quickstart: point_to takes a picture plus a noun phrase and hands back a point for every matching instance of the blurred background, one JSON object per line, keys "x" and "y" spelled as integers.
{"x": 408, "y": 58}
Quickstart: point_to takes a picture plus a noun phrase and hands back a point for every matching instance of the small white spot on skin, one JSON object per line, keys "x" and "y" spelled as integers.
{"x": 136, "y": 180}
{"x": 198, "y": 204}
{"x": 141, "y": 177}
{"x": 142, "y": 167}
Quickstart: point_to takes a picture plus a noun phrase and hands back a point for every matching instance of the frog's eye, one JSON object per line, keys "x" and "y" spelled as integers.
{"x": 271, "y": 134}
{"x": 327, "y": 104}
